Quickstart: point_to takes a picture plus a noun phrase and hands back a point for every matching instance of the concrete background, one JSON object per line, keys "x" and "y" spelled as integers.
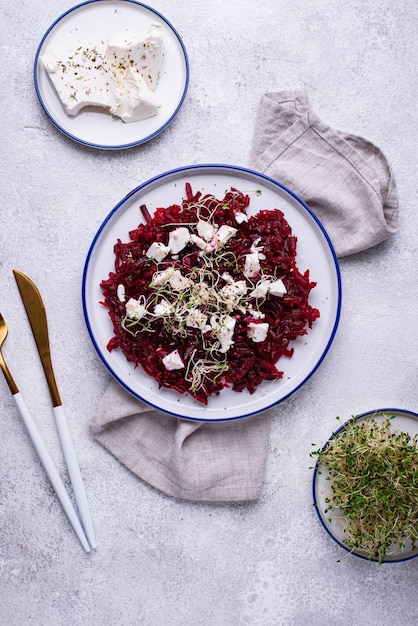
{"x": 160, "y": 561}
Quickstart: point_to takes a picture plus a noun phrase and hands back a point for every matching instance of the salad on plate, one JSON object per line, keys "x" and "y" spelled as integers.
{"x": 205, "y": 297}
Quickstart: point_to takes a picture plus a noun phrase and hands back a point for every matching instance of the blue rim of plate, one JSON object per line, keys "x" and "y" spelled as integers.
{"x": 366, "y": 414}
{"x": 98, "y": 145}
{"x": 237, "y": 169}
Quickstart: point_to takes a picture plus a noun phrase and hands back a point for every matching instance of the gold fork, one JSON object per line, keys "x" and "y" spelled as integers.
{"x": 39, "y": 444}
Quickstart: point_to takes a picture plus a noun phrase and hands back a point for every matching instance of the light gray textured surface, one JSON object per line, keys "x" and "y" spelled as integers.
{"x": 160, "y": 561}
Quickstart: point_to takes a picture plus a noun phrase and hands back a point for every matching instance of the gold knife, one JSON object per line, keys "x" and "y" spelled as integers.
{"x": 36, "y": 313}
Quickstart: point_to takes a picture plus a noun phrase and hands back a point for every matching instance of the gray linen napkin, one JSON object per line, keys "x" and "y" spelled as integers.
{"x": 345, "y": 180}
{"x": 190, "y": 460}
{"x": 348, "y": 183}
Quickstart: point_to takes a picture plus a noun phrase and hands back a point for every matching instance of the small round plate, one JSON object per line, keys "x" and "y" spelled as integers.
{"x": 100, "y": 19}
{"x": 333, "y": 521}
{"x": 314, "y": 252}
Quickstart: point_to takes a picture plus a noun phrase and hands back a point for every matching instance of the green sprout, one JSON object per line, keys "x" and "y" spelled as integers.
{"x": 373, "y": 470}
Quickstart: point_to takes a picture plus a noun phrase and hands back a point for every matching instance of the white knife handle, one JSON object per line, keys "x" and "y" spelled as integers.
{"x": 74, "y": 472}
{"x": 50, "y": 469}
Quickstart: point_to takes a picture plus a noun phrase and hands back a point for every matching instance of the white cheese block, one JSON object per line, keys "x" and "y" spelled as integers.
{"x": 163, "y": 308}
{"x": 224, "y": 234}
{"x": 201, "y": 243}
{"x": 241, "y": 217}
{"x": 157, "y": 251}
{"x": 224, "y": 330}
{"x": 257, "y": 332}
{"x": 121, "y": 292}
{"x": 143, "y": 55}
{"x": 173, "y": 361}
{"x": 277, "y": 288}
{"x": 172, "y": 276}
{"x": 261, "y": 288}
{"x": 81, "y": 78}
{"x": 205, "y": 230}
{"x": 178, "y": 239}
{"x": 135, "y": 101}
{"x": 196, "y": 319}
{"x": 252, "y": 265}
{"x": 120, "y": 75}
{"x": 135, "y": 310}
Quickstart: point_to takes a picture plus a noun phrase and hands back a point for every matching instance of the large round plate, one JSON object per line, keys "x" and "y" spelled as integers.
{"x": 333, "y": 521}
{"x": 314, "y": 251}
{"x": 99, "y": 19}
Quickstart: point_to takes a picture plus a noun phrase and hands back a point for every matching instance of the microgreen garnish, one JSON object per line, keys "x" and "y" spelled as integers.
{"x": 205, "y": 296}
{"x": 373, "y": 472}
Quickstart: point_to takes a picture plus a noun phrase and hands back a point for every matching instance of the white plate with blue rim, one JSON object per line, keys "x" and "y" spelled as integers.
{"x": 314, "y": 252}
{"x": 98, "y": 20}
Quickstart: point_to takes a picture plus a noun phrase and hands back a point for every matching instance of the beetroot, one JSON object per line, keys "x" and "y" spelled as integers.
{"x": 247, "y": 363}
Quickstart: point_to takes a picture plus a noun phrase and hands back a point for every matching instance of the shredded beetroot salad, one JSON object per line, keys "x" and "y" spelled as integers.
{"x": 205, "y": 297}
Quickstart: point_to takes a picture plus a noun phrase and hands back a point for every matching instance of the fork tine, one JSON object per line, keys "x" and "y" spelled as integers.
{"x": 3, "y": 329}
{"x": 3, "y": 365}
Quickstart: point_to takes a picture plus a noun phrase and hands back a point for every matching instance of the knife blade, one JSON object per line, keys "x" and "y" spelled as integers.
{"x": 35, "y": 310}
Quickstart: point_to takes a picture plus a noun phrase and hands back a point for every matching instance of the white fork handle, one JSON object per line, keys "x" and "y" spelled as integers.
{"x": 50, "y": 469}
{"x": 74, "y": 472}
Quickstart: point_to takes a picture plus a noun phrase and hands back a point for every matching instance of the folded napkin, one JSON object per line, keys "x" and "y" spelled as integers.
{"x": 348, "y": 183}
{"x": 185, "y": 459}
{"x": 345, "y": 180}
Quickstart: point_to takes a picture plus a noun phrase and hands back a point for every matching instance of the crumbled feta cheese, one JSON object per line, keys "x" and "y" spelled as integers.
{"x": 178, "y": 239}
{"x": 173, "y": 361}
{"x": 258, "y": 315}
{"x": 232, "y": 292}
{"x": 135, "y": 309}
{"x": 157, "y": 251}
{"x": 196, "y": 319}
{"x": 241, "y": 217}
{"x": 238, "y": 287}
{"x": 261, "y": 288}
{"x": 121, "y": 293}
{"x": 203, "y": 292}
{"x": 257, "y": 332}
{"x": 210, "y": 239}
{"x": 163, "y": 308}
{"x": 160, "y": 278}
{"x": 252, "y": 265}
{"x": 277, "y": 288}
{"x": 205, "y": 230}
{"x": 224, "y": 330}
{"x": 172, "y": 276}
{"x": 178, "y": 281}
{"x": 201, "y": 243}
{"x": 255, "y": 247}
{"x": 224, "y": 234}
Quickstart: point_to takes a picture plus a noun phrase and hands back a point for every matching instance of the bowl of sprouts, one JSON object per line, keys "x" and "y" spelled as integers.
{"x": 365, "y": 485}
